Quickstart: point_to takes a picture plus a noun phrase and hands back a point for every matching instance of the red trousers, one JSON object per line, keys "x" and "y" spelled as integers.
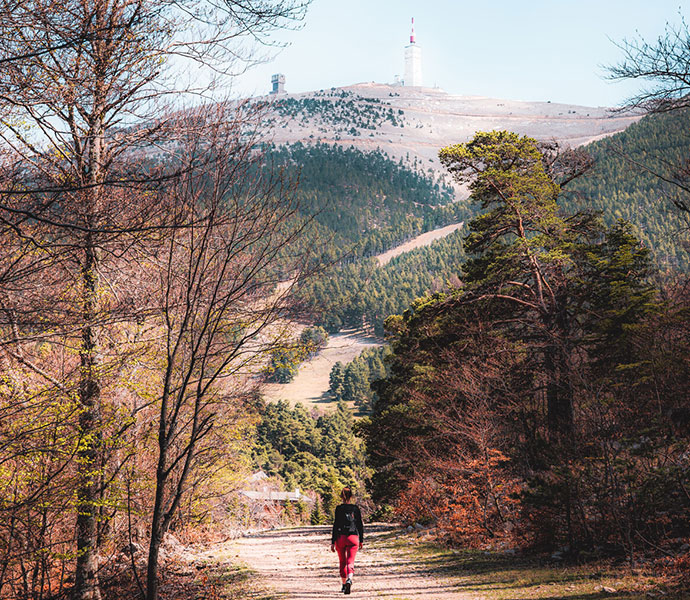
{"x": 347, "y": 546}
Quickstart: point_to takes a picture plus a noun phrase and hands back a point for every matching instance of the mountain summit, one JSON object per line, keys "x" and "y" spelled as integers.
{"x": 416, "y": 121}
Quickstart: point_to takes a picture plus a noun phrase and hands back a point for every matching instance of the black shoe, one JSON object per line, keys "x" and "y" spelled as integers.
{"x": 347, "y": 586}
{"x": 342, "y": 589}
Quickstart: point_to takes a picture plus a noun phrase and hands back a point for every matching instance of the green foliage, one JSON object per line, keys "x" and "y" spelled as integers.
{"x": 302, "y": 509}
{"x": 525, "y": 254}
{"x": 352, "y": 382}
{"x": 318, "y": 516}
{"x": 39, "y": 438}
{"x": 365, "y": 204}
{"x": 313, "y": 339}
{"x": 284, "y": 364}
{"x": 509, "y": 181}
{"x": 319, "y": 453}
{"x": 614, "y": 285}
{"x": 336, "y": 378}
{"x": 623, "y": 184}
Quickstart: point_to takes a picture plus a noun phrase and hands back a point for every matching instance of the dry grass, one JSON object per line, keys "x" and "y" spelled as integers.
{"x": 201, "y": 577}
{"x": 310, "y": 386}
{"x": 236, "y": 583}
{"x": 495, "y": 576}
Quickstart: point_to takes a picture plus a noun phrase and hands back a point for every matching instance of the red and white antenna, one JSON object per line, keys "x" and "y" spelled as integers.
{"x": 412, "y": 34}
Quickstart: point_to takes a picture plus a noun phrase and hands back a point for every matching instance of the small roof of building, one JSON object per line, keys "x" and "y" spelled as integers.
{"x": 276, "y": 496}
{"x": 258, "y": 476}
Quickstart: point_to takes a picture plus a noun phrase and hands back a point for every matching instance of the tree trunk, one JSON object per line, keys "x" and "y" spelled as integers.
{"x": 162, "y": 514}
{"x": 559, "y": 397}
{"x": 559, "y": 389}
{"x": 157, "y": 527}
{"x": 152, "y": 568}
{"x": 90, "y": 434}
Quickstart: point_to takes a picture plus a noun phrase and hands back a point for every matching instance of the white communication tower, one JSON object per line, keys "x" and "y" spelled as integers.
{"x": 413, "y": 62}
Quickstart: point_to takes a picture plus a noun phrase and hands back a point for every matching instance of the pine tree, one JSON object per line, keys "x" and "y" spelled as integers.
{"x": 336, "y": 380}
{"x": 522, "y": 249}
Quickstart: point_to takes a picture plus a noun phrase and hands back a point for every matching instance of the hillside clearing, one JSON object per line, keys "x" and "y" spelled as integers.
{"x": 424, "y": 239}
{"x": 311, "y": 384}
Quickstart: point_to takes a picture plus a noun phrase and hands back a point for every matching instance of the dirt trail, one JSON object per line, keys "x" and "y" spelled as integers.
{"x": 423, "y": 239}
{"x": 297, "y": 564}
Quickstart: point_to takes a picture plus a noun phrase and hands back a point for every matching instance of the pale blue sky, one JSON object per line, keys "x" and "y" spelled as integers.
{"x": 519, "y": 50}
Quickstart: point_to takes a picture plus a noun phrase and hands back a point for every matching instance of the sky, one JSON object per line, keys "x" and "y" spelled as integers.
{"x": 532, "y": 50}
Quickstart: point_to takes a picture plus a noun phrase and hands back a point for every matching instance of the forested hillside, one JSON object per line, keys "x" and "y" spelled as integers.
{"x": 365, "y": 203}
{"x": 363, "y": 294}
{"x": 623, "y": 185}
{"x": 544, "y": 403}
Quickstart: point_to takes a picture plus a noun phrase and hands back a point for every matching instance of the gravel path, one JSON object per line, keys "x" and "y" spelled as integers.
{"x": 297, "y": 564}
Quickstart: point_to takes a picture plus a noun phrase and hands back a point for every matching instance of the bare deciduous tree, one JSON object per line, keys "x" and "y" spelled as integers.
{"x": 663, "y": 64}
{"x": 222, "y": 294}
{"x": 84, "y": 91}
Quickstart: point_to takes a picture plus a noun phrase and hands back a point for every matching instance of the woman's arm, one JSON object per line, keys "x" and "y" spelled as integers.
{"x": 334, "y": 533}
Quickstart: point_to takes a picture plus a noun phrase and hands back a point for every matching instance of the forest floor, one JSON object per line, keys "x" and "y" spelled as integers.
{"x": 296, "y": 564}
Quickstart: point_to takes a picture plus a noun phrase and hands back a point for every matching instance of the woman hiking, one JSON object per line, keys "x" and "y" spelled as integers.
{"x": 347, "y": 537}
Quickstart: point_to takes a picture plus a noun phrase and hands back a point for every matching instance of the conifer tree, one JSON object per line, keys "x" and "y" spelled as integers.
{"x": 521, "y": 248}
{"x": 496, "y": 380}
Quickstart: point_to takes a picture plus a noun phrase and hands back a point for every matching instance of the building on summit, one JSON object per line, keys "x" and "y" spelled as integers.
{"x": 413, "y": 62}
{"x": 278, "y": 81}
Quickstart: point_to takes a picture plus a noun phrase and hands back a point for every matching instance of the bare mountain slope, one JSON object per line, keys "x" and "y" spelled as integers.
{"x": 419, "y": 121}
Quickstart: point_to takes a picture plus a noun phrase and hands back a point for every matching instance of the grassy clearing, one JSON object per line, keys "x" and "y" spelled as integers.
{"x": 311, "y": 385}
{"x": 212, "y": 573}
{"x": 495, "y": 576}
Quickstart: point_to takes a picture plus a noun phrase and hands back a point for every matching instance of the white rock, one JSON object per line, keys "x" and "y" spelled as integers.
{"x": 171, "y": 542}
